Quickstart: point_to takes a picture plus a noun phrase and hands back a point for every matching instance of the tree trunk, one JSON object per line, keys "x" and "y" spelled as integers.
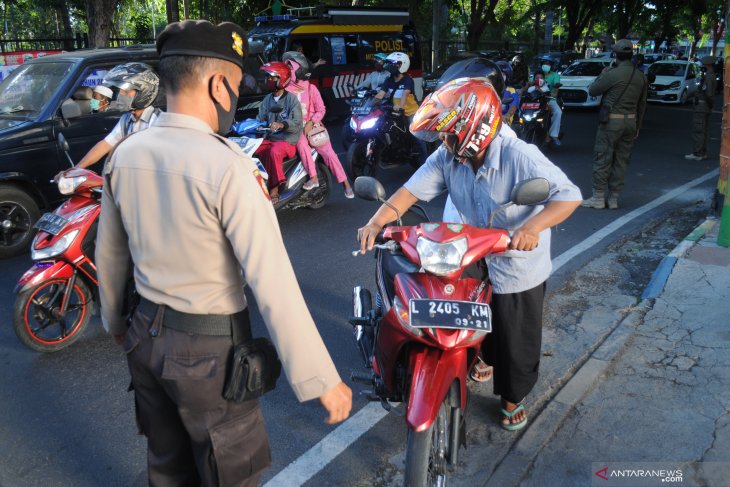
{"x": 66, "y": 30}
{"x": 173, "y": 11}
{"x": 186, "y": 9}
{"x": 99, "y": 17}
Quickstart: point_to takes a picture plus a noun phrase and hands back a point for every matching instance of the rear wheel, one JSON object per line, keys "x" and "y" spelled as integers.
{"x": 357, "y": 163}
{"x": 18, "y": 214}
{"x": 427, "y": 452}
{"x": 36, "y": 315}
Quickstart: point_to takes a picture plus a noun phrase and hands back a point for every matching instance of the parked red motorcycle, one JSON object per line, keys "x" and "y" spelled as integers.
{"x": 55, "y": 296}
{"x": 426, "y": 330}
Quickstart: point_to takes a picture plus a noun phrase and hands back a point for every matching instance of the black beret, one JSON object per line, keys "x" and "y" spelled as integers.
{"x": 225, "y": 41}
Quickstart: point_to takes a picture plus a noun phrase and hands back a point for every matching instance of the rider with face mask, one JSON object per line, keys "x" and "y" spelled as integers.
{"x": 480, "y": 166}
{"x": 285, "y": 122}
{"x": 552, "y": 78}
{"x": 375, "y": 79}
{"x": 138, "y": 86}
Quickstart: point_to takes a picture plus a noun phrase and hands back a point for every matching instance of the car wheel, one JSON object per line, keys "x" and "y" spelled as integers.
{"x": 683, "y": 97}
{"x": 18, "y": 214}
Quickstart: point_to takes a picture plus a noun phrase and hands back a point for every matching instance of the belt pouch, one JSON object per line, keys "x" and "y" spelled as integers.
{"x": 604, "y": 114}
{"x": 254, "y": 372}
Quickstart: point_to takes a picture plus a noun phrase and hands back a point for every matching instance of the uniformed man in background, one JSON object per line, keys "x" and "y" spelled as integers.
{"x": 187, "y": 211}
{"x": 703, "y": 102}
{"x": 624, "y": 90}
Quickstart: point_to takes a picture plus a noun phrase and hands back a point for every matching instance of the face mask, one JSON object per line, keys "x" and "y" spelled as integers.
{"x": 95, "y": 104}
{"x": 124, "y": 103}
{"x": 392, "y": 69}
{"x": 378, "y": 67}
{"x": 225, "y": 118}
{"x": 545, "y": 68}
{"x": 271, "y": 84}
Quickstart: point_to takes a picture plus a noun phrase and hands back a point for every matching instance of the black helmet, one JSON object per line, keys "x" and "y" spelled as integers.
{"x": 476, "y": 67}
{"x": 305, "y": 69}
{"x": 517, "y": 59}
{"x": 135, "y": 76}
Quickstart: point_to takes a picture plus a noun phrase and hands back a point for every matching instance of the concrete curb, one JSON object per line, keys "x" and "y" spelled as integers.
{"x": 543, "y": 427}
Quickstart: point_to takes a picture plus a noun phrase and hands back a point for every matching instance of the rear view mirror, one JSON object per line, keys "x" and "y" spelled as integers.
{"x": 70, "y": 109}
{"x": 531, "y": 192}
{"x": 62, "y": 143}
{"x": 369, "y": 189}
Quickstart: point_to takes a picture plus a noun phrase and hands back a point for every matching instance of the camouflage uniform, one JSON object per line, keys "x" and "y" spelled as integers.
{"x": 615, "y": 139}
{"x": 703, "y": 101}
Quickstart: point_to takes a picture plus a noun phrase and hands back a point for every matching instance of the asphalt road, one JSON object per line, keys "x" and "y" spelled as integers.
{"x": 66, "y": 418}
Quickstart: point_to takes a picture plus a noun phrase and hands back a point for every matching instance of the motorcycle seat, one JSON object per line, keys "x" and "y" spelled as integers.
{"x": 288, "y": 164}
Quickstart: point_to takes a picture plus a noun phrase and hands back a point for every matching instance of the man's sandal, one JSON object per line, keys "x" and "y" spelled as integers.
{"x": 481, "y": 372}
{"x": 513, "y": 426}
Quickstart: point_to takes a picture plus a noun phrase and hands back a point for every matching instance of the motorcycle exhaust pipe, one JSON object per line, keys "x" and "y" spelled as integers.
{"x": 364, "y": 329}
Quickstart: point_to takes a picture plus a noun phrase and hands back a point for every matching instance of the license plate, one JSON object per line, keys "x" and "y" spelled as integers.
{"x": 457, "y": 315}
{"x": 530, "y": 106}
{"x": 51, "y": 223}
{"x": 652, "y": 93}
{"x": 360, "y": 110}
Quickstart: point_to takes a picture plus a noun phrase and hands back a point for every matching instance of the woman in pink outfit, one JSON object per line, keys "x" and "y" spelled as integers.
{"x": 313, "y": 111}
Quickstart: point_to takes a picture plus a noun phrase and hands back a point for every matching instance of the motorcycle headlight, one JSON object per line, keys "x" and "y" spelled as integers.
{"x": 528, "y": 117}
{"x": 368, "y": 124}
{"x": 68, "y": 185}
{"x": 57, "y": 248}
{"x": 441, "y": 258}
{"x": 353, "y": 125}
{"x": 675, "y": 85}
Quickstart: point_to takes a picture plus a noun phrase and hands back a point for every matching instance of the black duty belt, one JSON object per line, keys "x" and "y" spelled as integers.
{"x": 237, "y": 325}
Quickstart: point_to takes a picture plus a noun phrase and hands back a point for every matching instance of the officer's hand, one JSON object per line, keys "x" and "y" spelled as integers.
{"x": 338, "y": 403}
{"x": 366, "y": 236}
{"x": 119, "y": 339}
{"x": 637, "y": 134}
{"x": 524, "y": 238}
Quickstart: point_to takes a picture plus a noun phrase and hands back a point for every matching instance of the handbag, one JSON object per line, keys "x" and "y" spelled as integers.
{"x": 604, "y": 113}
{"x": 318, "y": 136}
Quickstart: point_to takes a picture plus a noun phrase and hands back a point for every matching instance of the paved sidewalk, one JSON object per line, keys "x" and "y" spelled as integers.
{"x": 654, "y": 396}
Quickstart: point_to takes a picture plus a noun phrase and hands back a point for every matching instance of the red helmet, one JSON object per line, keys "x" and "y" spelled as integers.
{"x": 467, "y": 108}
{"x": 279, "y": 70}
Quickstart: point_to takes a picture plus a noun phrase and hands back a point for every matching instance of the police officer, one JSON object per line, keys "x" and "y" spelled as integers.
{"x": 703, "y": 101}
{"x": 188, "y": 213}
{"x": 624, "y": 91}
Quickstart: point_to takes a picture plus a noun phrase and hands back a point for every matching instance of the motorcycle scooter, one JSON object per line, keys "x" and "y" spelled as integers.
{"x": 249, "y": 137}
{"x": 534, "y": 119}
{"x": 425, "y": 332}
{"x": 55, "y": 296}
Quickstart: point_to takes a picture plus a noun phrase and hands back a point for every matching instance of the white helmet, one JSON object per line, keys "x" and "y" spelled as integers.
{"x": 400, "y": 59}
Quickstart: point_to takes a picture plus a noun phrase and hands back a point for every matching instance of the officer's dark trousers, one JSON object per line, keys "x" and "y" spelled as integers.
{"x": 611, "y": 153}
{"x": 513, "y": 347}
{"x": 700, "y": 122}
{"x": 194, "y": 436}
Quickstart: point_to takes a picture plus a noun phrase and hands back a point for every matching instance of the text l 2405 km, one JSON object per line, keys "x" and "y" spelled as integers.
{"x": 458, "y": 315}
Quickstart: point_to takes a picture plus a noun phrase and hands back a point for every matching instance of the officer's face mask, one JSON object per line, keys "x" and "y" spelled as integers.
{"x": 124, "y": 102}
{"x": 545, "y": 68}
{"x": 225, "y": 117}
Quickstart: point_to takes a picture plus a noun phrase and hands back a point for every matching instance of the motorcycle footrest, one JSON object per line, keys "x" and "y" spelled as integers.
{"x": 359, "y": 320}
{"x": 363, "y": 377}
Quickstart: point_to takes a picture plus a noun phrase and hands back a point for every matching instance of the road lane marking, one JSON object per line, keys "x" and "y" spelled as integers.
{"x": 591, "y": 241}
{"x": 320, "y": 455}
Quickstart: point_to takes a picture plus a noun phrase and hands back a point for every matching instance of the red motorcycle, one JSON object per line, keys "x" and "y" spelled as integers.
{"x": 55, "y": 296}
{"x": 426, "y": 330}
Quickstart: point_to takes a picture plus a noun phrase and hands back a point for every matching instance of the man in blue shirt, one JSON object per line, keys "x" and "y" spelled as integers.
{"x": 480, "y": 166}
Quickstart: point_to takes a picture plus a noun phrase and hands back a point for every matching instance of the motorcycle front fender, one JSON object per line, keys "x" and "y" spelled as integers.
{"x": 433, "y": 371}
{"x": 39, "y": 273}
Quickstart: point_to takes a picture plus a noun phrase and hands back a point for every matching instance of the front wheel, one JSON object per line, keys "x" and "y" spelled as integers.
{"x": 18, "y": 213}
{"x": 36, "y": 315}
{"x": 683, "y": 97}
{"x": 427, "y": 452}
{"x": 357, "y": 163}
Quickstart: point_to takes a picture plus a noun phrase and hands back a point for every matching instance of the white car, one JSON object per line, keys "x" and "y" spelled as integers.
{"x": 676, "y": 81}
{"x": 575, "y": 81}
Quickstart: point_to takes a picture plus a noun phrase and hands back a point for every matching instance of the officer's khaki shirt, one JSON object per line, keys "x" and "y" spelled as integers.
{"x": 611, "y": 83}
{"x": 188, "y": 208}
{"x": 705, "y": 94}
